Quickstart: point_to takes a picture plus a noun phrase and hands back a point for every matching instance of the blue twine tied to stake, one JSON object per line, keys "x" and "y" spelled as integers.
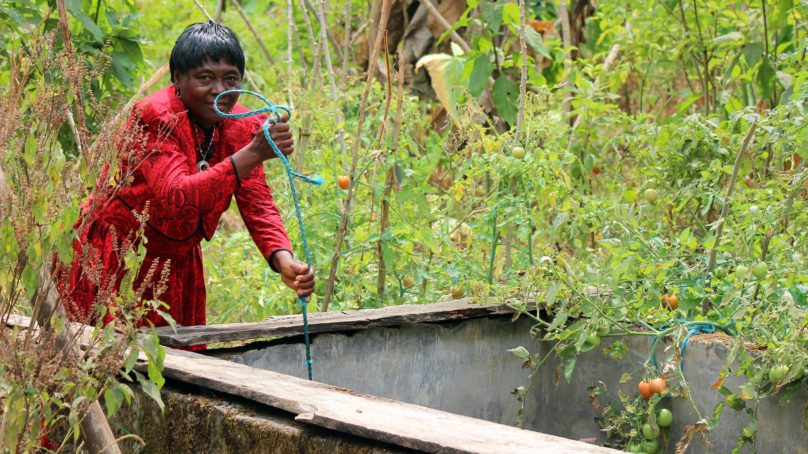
{"x": 274, "y": 116}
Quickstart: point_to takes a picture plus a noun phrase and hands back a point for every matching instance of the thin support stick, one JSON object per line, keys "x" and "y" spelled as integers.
{"x": 347, "y": 205}
{"x": 443, "y": 22}
{"x": 705, "y": 305}
{"x": 523, "y": 70}
{"x": 255, "y": 34}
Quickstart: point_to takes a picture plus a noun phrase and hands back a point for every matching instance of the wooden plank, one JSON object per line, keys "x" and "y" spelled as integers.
{"x": 290, "y": 325}
{"x": 386, "y": 420}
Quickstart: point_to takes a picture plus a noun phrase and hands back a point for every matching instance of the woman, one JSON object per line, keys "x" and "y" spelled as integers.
{"x": 184, "y": 164}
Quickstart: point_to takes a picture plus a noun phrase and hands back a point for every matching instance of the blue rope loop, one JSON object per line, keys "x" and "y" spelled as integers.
{"x": 274, "y": 116}
{"x": 697, "y": 328}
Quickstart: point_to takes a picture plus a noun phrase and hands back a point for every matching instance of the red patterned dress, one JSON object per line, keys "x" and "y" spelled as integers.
{"x": 183, "y": 205}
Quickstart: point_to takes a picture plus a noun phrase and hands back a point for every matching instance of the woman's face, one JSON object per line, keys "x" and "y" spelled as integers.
{"x": 200, "y": 86}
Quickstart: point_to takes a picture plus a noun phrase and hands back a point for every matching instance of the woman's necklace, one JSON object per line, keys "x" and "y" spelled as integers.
{"x": 204, "y": 150}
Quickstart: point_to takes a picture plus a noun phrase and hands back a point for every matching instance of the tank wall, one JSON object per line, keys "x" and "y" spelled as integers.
{"x": 465, "y": 368}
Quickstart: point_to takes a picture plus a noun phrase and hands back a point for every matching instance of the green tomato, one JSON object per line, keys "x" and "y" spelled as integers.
{"x": 664, "y": 418}
{"x": 741, "y": 271}
{"x": 650, "y": 446}
{"x": 592, "y": 341}
{"x": 635, "y": 448}
{"x": 778, "y": 373}
{"x": 518, "y": 152}
{"x": 721, "y": 273}
{"x": 650, "y": 431}
{"x": 760, "y": 270}
{"x": 650, "y": 195}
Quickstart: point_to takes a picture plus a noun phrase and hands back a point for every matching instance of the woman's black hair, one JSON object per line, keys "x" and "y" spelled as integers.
{"x": 205, "y": 41}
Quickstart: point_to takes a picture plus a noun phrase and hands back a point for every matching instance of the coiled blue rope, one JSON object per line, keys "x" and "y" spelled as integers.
{"x": 274, "y": 116}
{"x": 705, "y": 327}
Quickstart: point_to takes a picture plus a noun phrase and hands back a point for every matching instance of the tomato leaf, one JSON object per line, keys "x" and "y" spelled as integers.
{"x": 506, "y": 93}
{"x": 521, "y": 352}
{"x": 74, "y": 7}
{"x": 765, "y": 77}
{"x": 480, "y": 74}
{"x": 492, "y": 13}
{"x": 569, "y": 366}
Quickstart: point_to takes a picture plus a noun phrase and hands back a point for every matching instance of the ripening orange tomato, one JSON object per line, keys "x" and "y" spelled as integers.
{"x": 645, "y": 389}
{"x": 670, "y": 301}
{"x": 658, "y": 385}
{"x": 343, "y": 181}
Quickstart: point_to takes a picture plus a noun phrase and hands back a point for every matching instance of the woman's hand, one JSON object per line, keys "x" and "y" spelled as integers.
{"x": 280, "y": 134}
{"x": 259, "y": 150}
{"x": 294, "y": 273}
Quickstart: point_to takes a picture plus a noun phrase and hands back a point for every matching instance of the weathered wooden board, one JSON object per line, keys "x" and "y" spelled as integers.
{"x": 386, "y": 420}
{"x": 289, "y": 325}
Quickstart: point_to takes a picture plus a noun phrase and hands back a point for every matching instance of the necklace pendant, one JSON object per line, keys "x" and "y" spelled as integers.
{"x": 202, "y": 165}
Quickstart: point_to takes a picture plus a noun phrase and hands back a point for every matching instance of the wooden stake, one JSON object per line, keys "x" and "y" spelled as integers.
{"x": 255, "y": 34}
{"x": 705, "y": 305}
{"x": 95, "y": 429}
{"x": 347, "y": 205}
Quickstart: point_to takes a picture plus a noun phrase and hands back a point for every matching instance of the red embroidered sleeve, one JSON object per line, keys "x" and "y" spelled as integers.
{"x": 260, "y": 214}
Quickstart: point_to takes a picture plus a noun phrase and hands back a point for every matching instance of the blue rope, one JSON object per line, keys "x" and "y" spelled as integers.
{"x": 274, "y": 116}
{"x": 704, "y": 327}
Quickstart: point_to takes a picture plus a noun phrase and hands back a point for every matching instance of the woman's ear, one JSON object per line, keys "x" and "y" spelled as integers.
{"x": 176, "y": 79}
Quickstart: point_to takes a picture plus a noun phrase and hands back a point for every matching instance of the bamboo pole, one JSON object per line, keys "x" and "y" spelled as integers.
{"x": 325, "y": 28}
{"x": 389, "y": 181}
{"x": 705, "y": 305}
{"x": 347, "y": 205}
{"x": 346, "y": 57}
{"x": 255, "y": 34}
{"x": 611, "y": 58}
{"x": 523, "y": 70}
{"x": 95, "y": 429}
{"x": 567, "y": 41}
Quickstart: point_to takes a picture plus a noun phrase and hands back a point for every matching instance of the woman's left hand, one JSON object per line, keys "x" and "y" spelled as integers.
{"x": 294, "y": 273}
{"x": 281, "y": 134}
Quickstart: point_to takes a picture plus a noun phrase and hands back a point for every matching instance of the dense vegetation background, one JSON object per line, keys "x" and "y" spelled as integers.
{"x": 596, "y": 162}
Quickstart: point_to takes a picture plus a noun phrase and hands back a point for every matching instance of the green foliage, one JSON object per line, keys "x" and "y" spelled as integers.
{"x": 571, "y": 225}
{"x": 49, "y": 154}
